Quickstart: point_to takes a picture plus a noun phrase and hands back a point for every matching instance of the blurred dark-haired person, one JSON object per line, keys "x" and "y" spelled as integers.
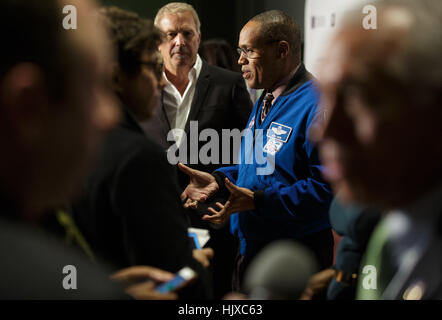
{"x": 130, "y": 211}
{"x": 54, "y": 108}
{"x": 382, "y": 91}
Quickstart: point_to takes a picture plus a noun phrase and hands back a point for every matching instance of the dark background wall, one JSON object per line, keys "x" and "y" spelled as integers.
{"x": 246, "y": 9}
{"x": 219, "y": 18}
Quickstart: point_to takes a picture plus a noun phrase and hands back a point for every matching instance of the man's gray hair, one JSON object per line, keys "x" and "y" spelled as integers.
{"x": 177, "y": 8}
{"x": 275, "y": 25}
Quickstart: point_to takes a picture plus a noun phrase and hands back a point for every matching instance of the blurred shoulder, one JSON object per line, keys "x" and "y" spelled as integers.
{"x": 34, "y": 266}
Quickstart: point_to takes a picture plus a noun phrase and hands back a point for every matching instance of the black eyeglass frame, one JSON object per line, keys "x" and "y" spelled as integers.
{"x": 242, "y": 51}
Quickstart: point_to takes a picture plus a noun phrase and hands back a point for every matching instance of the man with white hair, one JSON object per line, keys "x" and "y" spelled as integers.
{"x": 217, "y": 99}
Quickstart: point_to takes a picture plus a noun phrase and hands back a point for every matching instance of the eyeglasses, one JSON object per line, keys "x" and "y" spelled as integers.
{"x": 156, "y": 67}
{"x": 250, "y": 53}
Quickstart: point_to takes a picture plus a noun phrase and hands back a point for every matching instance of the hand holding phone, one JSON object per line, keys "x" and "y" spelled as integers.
{"x": 181, "y": 279}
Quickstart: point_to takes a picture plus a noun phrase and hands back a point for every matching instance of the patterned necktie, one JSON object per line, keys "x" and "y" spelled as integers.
{"x": 266, "y": 106}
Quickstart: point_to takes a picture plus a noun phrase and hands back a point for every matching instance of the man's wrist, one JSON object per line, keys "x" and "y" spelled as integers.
{"x": 220, "y": 178}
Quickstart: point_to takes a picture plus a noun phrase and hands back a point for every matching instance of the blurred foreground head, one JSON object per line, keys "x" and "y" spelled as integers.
{"x": 382, "y": 93}
{"x": 54, "y": 100}
{"x": 138, "y": 69}
{"x": 280, "y": 271}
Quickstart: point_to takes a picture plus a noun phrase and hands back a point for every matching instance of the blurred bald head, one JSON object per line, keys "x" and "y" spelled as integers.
{"x": 382, "y": 92}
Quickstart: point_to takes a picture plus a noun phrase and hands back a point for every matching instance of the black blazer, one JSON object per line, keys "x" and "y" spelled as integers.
{"x": 130, "y": 210}
{"x": 221, "y": 101}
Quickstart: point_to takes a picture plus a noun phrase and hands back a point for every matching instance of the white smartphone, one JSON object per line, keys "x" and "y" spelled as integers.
{"x": 183, "y": 277}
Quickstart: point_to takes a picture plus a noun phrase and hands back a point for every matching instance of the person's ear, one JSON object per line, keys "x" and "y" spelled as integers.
{"x": 283, "y": 49}
{"x": 163, "y": 43}
{"x": 26, "y": 102}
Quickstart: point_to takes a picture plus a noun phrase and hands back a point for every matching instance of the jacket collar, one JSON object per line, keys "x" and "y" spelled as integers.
{"x": 202, "y": 86}
{"x": 300, "y": 77}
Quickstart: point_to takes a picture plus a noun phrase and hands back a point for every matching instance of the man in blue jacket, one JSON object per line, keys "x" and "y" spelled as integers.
{"x": 276, "y": 190}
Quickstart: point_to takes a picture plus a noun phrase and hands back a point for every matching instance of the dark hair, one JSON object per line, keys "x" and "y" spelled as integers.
{"x": 31, "y": 31}
{"x": 131, "y": 35}
{"x": 219, "y": 52}
{"x": 277, "y": 25}
{"x": 417, "y": 64}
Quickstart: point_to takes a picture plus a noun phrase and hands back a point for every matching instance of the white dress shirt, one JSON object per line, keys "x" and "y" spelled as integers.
{"x": 178, "y": 106}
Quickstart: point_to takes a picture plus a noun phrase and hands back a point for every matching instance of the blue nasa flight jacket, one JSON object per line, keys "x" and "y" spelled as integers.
{"x": 294, "y": 200}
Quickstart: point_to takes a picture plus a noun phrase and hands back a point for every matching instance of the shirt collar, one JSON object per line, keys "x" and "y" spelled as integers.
{"x": 197, "y": 66}
{"x": 194, "y": 72}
